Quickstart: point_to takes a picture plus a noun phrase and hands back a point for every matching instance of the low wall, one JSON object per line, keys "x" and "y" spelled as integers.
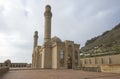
{"x": 108, "y": 63}
{"x": 103, "y": 68}
{"x": 110, "y": 68}
{"x": 3, "y": 70}
{"x": 100, "y": 60}
{"x": 93, "y": 69}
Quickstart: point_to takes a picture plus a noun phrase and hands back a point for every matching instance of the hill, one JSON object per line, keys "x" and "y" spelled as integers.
{"x": 107, "y": 43}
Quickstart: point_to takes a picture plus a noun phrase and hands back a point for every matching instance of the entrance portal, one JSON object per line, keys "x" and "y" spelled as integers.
{"x": 69, "y": 62}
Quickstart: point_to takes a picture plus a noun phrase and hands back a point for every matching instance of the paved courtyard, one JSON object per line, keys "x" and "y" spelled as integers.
{"x": 57, "y": 74}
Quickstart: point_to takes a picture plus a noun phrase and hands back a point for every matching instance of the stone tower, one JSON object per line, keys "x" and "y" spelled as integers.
{"x": 35, "y": 39}
{"x": 47, "y": 38}
{"x": 34, "y": 55}
{"x": 47, "y": 27}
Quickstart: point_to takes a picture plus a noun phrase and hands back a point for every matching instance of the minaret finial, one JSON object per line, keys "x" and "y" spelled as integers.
{"x": 48, "y": 11}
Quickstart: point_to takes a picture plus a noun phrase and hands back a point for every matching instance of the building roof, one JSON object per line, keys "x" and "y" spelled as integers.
{"x": 56, "y": 39}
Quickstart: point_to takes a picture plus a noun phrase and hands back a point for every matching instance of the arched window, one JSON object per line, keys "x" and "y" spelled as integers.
{"x": 96, "y": 61}
{"x": 102, "y": 61}
{"x": 76, "y": 58}
{"x": 110, "y": 61}
{"x": 85, "y": 61}
{"x": 61, "y": 56}
{"x": 90, "y": 61}
{"x": 76, "y": 55}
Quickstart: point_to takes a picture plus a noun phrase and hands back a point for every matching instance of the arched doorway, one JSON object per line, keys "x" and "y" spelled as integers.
{"x": 70, "y": 55}
{"x": 76, "y": 58}
{"x": 69, "y": 63}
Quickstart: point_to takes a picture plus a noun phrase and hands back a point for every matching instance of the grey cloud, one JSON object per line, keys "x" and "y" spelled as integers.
{"x": 77, "y": 20}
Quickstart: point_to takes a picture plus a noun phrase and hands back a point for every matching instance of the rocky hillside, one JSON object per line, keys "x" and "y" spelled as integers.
{"x": 107, "y": 43}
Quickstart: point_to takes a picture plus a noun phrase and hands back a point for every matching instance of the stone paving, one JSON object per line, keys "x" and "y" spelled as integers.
{"x": 57, "y": 74}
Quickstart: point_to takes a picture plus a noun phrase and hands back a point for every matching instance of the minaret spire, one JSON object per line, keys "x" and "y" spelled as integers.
{"x": 47, "y": 26}
{"x": 35, "y": 39}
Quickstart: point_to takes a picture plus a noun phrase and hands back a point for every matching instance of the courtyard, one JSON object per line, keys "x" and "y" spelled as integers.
{"x": 57, "y": 74}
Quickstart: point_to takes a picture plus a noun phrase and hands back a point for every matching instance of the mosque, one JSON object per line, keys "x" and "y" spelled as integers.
{"x": 54, "y": 53}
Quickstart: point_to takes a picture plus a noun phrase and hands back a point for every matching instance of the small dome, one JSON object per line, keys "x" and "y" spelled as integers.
{"x": 36, "y": 32}
{"x": 48, "y": 6}
{"x": 56, "y": 39}
{"x": 7, "y": 61}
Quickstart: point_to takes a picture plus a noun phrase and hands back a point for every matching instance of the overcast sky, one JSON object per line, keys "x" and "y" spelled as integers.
{"x": 76, "y": 20}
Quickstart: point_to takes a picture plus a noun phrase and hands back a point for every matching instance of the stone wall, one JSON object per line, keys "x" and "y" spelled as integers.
{"x": 3, "y": 70}
{"x": 111, "y": 68}
{"x": 109, "y": 63}
{"x": 93, "y": 69}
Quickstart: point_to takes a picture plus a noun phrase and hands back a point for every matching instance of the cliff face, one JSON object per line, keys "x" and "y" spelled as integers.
{"x": 107, "y": 43}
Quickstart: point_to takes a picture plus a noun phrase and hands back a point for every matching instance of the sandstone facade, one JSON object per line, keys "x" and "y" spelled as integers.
{"x": 54, "y": 53}
{"x": 108, "y": 63}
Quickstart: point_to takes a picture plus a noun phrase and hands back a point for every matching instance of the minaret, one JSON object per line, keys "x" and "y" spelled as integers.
{"x": 35, "y": 39}
{"x": 47, "y": 27}
{"x": 35, "y": 44}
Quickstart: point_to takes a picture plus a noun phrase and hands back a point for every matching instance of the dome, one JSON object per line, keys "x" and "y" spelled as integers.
{"x": 48, "y": 6}
{"x": 36, "y": 32}
{"x": 7, "y": 62}
{"x": 56, "y": 39}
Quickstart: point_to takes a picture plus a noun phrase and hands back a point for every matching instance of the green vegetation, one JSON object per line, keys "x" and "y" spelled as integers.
{"x": 106, "y": 44}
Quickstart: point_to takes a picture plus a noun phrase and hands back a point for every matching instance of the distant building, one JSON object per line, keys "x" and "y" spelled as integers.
{"x": 8, "y": 63}
{"x": 54, "y": 53}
